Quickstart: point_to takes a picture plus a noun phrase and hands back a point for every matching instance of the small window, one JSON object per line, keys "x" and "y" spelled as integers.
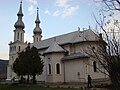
{"x": 94, "y": 66}
{"x": 57, "y": 68}
{"x": 34, "y": 39}
{"x": 18, "y": 36}
{"x": 37, "y": 39}
{"x": 10, "y": 49}
{"x": 15, "y": 48}
{"x": 49, "y": 66}
{"x": 21, "y": 36}
{"x": 19, "y": 48}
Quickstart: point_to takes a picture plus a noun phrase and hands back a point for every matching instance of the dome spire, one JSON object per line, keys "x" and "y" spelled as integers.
{"x": 37, "y": 18}
{"x": 37, "y": 29}
{"x": 19, "y": 23}
{"x": 20, "y": 9}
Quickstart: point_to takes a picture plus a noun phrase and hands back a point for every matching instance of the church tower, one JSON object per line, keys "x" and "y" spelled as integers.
{"x": 37, "y": 30}
{"x": 17, "y": 45}
{"x": 19, "y": 25}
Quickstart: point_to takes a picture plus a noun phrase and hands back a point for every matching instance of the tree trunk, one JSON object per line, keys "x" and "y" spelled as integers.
{"x": 34, "y": 79}
{"x": 28, "y": 78}
{"x": 115, "y": 82}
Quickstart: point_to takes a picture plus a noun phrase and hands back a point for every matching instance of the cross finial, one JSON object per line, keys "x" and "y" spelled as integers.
{"x": 21, "y": 2}
{"x": 37, "y": 9}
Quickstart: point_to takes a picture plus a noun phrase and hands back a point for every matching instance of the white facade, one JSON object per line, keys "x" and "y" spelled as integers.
{"x": 65, "y": 58}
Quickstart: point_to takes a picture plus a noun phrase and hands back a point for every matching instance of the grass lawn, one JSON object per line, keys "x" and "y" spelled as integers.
{"x": 13, "y": 87}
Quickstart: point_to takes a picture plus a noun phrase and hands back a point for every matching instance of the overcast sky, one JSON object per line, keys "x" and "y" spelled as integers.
{"x": 57, "y": 17}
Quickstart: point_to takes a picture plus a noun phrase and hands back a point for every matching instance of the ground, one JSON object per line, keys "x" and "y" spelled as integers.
{"x": 15, "y": 87}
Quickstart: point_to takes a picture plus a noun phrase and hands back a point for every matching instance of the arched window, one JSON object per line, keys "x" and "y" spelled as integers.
{"x": 15, "y": 36}
{"x": 34, "y": 39}
{"x": 49, "y": 68}
{"x": 94, "y": 66}
{"x": 15, "y": 48}
{"x": 18, "y": 36}
{"x": 21, "y": 36}
{"x": 37, "y": 39}
{"x": 57, "y": 68}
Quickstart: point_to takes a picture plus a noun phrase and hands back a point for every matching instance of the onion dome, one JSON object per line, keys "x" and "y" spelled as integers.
{"x": 37, "y": 29}
{"x": 19, "y": 23}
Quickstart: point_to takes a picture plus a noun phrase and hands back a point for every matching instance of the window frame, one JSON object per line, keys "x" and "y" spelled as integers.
{"x": 49, "y": 69}
{"x": 56, "y": 72}
{"x": 94, "y": 66}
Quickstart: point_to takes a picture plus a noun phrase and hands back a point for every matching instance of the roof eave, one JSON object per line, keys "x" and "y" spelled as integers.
{"x": 69, "y": 59}
{"x": 54, "y": 52}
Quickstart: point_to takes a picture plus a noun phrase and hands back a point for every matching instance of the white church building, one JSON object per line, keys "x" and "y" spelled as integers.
{"x": 65, "y": 58}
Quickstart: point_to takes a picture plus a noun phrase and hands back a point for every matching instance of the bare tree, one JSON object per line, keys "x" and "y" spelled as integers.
{"x": 110, "y": 4}
{"x": 108, "y": 52}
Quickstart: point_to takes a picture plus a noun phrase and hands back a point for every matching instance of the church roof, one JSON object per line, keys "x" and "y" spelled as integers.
{"x": 54, "y": 47}
{"x": 75, "y": 56}
{"x": 69, "y": 38}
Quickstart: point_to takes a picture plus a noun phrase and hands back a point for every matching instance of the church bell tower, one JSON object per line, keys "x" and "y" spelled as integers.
{"x": 19, "y": 26}
{"x": 17, "y": 45}
{"x": 37, "y": 30}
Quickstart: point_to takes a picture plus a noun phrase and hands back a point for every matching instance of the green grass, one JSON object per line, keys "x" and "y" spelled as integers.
{"x": 15, "y": 87}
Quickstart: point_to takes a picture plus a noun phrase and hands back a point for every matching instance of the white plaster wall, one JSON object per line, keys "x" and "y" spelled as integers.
{"x": 95, "y": 75}
{"x": 71, "y": 71}
{"x": 12, "y": 57}
{"x": 53, "y": 59}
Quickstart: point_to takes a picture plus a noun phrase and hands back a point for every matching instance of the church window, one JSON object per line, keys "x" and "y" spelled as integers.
{"x": 15, "y": 36}
{"x": 57, "y": 68}
{"x": 19, "y": 48}
{"x": 34, "y": 39}
{"x": 10, "y": 49}
{"x": 94, "y": 66}
{"x": 49, "y": 68}
{"x": 15, "y": 48}
{"x": 18, "y": 36}
{"x": 21, "y": 36}
{"x": 37, "y": 39}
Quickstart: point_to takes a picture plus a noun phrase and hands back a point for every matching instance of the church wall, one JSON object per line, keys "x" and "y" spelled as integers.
{"x": 85, "y": 47}
{"x": 14, "y": 48}
{"x": 71, "y": 71}
{"x": 88, "y": 64}
{"x": 53, "y": 59}
{"x": 97, "y": 74}
{"x": 57, "y": 59}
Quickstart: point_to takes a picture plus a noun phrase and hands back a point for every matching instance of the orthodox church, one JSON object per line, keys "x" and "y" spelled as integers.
{"x": 65, "y": 58}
